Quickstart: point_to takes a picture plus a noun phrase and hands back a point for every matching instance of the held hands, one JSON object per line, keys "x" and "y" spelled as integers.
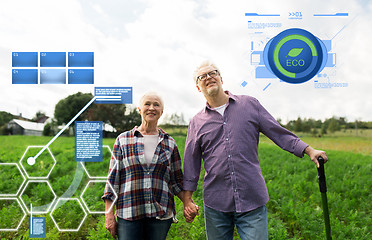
{"x": 314, "y": 154}
{"x": 190, "y": 210}
{"x": 111, "y": 224}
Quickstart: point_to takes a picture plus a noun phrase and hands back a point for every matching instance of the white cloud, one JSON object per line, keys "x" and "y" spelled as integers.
{"x": 155, "y": 45}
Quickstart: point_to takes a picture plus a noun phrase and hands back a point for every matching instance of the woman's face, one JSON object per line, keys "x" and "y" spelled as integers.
{"x": 151, "y": 109}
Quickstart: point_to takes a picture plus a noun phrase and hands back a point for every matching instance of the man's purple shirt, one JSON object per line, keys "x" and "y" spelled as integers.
{"x": 228, "y": 144}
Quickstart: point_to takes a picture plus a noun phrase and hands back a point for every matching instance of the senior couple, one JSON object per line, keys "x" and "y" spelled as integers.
{"x": 146, "y": 169}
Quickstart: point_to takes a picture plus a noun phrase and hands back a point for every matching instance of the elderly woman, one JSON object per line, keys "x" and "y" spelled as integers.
{"x": 145, "y": 173}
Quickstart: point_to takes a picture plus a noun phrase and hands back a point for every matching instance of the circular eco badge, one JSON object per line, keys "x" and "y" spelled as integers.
{"x": 295, "y": 55}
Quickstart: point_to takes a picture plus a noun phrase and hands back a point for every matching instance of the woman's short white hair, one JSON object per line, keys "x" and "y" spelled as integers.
{"x": 205, "y": 63}
{"x": 151, "y": 94}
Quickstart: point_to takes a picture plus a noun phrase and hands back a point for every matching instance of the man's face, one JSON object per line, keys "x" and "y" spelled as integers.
{"x": 210, "y": 86}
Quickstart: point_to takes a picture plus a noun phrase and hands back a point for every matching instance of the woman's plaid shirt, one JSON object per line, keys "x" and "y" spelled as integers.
{"x": 144, "y": 190}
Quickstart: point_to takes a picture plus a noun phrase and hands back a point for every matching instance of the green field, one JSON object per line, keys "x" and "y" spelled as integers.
{"x": 294, "y": 209}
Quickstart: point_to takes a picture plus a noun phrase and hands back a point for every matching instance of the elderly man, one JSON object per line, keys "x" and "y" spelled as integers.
{"x": 225, "y": 133}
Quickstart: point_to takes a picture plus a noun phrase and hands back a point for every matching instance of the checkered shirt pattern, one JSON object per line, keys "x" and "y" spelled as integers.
{"x": 144, "y": 190}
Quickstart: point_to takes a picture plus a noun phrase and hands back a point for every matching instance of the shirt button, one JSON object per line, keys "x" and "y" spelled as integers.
{"x": 227, "y": 139}
{"x": 234, "y": 190}
{"x": 224, "y": 123}
{"x": 232, "y": 173}
{"x": 229, "y": 156}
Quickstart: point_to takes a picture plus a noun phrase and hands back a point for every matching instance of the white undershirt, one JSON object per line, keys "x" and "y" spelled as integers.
{"x": 150, "y": 142}
{"x": 220, "y": 109}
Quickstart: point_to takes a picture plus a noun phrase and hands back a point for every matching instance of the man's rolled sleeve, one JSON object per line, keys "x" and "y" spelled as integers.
{"x": 192, "y": 160}
{"x": 114, "y": 173}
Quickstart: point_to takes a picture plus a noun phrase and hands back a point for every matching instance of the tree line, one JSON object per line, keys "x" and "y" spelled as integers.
{"x": 123, "y": 118}
{"x": 319, "y": 127}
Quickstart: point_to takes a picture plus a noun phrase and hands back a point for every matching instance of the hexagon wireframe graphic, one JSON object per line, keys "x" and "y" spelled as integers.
{"x": 68, "y": 230}
{"x": 23, "y": 182}
{"x": 40, "y": 177}
{"x": 50, "y": 204}
{"x": 98, "y": 177}
{"x": 86, "y": 205}
{"x": 20, "y": 222}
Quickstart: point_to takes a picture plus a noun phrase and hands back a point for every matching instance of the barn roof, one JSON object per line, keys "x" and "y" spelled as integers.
{"x": 29, "y": 125}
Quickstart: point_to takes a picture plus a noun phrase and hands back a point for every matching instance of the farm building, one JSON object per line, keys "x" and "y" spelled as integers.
{"x": 21, "y": 127}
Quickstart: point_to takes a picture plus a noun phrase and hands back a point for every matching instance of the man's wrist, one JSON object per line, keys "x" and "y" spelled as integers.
{"x": 308, "y": 149}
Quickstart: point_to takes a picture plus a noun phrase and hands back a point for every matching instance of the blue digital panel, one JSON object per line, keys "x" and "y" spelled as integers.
{"x": 113, "y": 95}
{"x": 263, "y": 72}
{"x": 37, "y": 227}
{"x": 24, "y": 59}
{"x": 81, "y": 59}
{"x": 24, "y": 76}
{"x": 88, "y": 141}
{"x": 52, "y": 59}
{"x": 81, "y": 76}
{"x": 53, "y": 76}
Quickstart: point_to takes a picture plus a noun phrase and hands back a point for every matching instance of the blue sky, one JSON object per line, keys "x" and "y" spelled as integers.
{"x": 156, "y": 44}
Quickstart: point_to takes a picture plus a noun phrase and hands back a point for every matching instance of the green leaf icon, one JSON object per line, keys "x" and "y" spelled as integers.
{"x": 294, "y": 52}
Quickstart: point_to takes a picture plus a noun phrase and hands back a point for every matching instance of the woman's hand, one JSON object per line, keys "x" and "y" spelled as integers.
{"x": 190, "y": 210}
{"x": 111, "y": 224}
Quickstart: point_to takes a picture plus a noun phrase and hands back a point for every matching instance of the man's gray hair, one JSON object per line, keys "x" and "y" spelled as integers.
{"x": 205, "y": 63}
{"x": 152, "y": 94}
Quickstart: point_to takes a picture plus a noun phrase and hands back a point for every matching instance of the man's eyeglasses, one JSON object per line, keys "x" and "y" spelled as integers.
{"x": 212, "y": 74}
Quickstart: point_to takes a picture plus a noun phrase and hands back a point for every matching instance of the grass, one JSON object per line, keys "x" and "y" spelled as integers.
{"x": 294, "y": 209}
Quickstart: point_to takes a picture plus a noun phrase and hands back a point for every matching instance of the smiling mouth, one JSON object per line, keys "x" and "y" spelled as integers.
{"x": 210, "y": 83}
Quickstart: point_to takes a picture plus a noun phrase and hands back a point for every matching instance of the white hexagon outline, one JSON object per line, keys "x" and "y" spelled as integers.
{"x": 20, "y": 222}
{"x": 20, "y": 187}
{"x": 51, "y": 154}
{"x": 68, "y": 230}
{"x": 99, "y": 212}
{"x": 83, "y": 165}
{"x": 43, "y": 212}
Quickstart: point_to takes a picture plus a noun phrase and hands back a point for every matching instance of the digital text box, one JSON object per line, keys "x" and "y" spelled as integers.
{"x": 53, "y": 76}
{"x": 88, "y": 141}
{"x": 81, "y": 59}
{"x": 81, "y": 76}
{"x": 52, "y": 59}
{"x": 24, "y": 76}
{"x": 37, "y": 227}
{"x": 113, "y": 95}
{"x": 24, "y": 59}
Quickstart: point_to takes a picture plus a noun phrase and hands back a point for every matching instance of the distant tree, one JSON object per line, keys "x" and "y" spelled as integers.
{"x": 38, "y": 115}
{"x": 290, "y": 125}
{"x": 133, "y": 118}
{"x": 112, "y": 114}
{"x": 298, "y": 125}
{"x": 318, "y": 124}
{"x": 51, "y": 128}
{"x": 315, "y": 133}
{"x": 67, "y": 108}
{"x": 333, "y": 125}
{"x": 5, "y": 117}
{"x": 307, "y": 125}
{"x": 323, "y": 130}
{"x": 48, "y": 130}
